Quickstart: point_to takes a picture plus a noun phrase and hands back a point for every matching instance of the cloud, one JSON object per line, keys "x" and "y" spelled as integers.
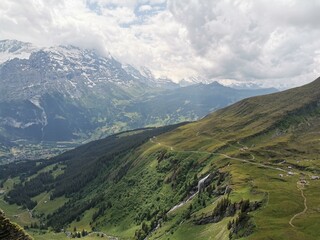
{"x": 144, "y": 8}
{"x": 274, "y": 42}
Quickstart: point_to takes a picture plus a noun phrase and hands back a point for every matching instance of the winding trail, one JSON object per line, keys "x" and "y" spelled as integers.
{"x": 221, "y": 154}
{"x": 30, "y": 211}
{"x": 249, "y": 161}
{"x": 40, "y": 201}
{"x": 305, "y": 205}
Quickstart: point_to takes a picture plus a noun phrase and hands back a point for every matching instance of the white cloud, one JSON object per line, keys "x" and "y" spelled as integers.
{"x": 272, "y": 41}
{"x": 253, "y": 40}
{"x": 144, "y": 8}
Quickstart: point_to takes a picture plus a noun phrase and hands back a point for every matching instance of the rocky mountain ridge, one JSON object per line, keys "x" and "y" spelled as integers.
{"x": 70, "y": 94}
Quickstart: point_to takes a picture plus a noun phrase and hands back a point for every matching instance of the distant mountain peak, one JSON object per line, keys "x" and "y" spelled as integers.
{"x": 216, "y": 84}
{"x": 240, "y": 84}
{"x": 193, "y": 80}
{"x": 10, "y": 49}
{"x": 12, "y": 45}
{"x": 146, "y": 72}
{"x": 80, "y": 64}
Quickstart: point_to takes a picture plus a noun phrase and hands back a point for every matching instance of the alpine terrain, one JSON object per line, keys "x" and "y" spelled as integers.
{"x": 54, "y": 98}
{"x": 247, "y": 171}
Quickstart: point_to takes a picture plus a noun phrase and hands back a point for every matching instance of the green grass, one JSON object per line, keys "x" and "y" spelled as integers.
{"x": 84, "y": 222}
{"x": 8, "y": 184}
{"x": 55, "y": 173}
{"x": 16, "y": 214}
{"x": 275, "y": 131}
{"x": 48, "y": 235}
{"x": 201, "y": 232}
{"x": 45, "y": 235}
{"x": 21, "y": 216}
{"x": 47, "y": 206}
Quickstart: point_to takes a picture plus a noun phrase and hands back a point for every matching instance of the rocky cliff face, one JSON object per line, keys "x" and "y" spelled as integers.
{"x": 59, "y": 93}
{"x": 11, "y": 231}
{"x": 68, "y": 94}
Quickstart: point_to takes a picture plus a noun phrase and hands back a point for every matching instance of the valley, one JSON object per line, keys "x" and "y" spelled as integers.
{"x": 159, "y": 120}
{"x": 256, "y": 160}
{"x": 31, "y": 150}
{"x": 59, "y": 97}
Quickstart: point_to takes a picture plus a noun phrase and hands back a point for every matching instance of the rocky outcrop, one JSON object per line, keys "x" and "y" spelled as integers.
{"x": 11, "y": 231}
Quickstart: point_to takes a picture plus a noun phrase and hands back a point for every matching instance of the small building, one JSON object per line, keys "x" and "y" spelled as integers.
{"x": 280, "y": 175}
{"x": 290, "y": 173}
{"x": 289, "y": 167}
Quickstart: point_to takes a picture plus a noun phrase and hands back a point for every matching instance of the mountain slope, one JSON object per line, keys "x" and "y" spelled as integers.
{"x": 190, "y": 103}
{"x": 54, "y": 86}
{"x": 11, "y": 49}
{"x": 72, "y": 95}
{"x": 269, "y": 146}
{"x": 247, "y": 171}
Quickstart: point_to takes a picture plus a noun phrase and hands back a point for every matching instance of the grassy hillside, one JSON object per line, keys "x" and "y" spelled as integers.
{"x": 248, "y": 171}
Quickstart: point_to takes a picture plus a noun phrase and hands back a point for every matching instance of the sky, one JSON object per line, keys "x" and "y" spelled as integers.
{"x": 269, "y": 42}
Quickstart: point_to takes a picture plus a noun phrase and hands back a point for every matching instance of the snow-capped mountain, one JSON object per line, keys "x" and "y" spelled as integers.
{"x": 193, "y": 80}
{"x": 66, "y": 69}
{"x": 10, "y": 49}
{"x": 66, "y": 93}
{"x": 146, "y": 76}
{"x": 59, "y": 92}
{"x": 240, "y": 84}
{"x": 232, "y": 83}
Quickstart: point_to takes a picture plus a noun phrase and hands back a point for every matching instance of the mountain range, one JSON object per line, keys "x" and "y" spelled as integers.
{"x": 53, "y": 98}
{"x": 247, "y": 171}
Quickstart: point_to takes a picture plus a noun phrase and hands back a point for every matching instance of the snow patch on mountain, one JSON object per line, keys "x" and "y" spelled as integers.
{"x": 35, "y": 100}
{"x": 146, "y": 72}
{"x": 69, "y": 70}
{"x": 240, "y": 84}
{"x": 193, "y": 80}
{"x": 10, "y": 49}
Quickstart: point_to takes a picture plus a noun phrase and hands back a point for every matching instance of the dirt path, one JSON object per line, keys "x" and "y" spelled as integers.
{"x": 249, "y": 161}
{"x": 222, "y": 154}
{"x": 304, "y": 202}
{"x": 41, "y": 200}
{"x": 253, "y": 163}
{"x": 30, "y": 211}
